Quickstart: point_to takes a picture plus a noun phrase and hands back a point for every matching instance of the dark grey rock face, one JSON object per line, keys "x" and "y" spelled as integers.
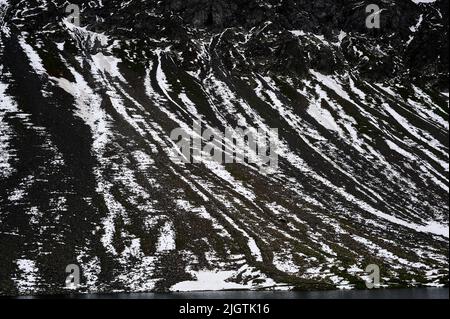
{"x": 86, "y": 172}
{"x": 327, "y": 18}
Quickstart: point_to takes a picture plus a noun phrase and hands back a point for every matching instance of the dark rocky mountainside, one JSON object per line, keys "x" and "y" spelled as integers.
{"x": 86, "y": 172}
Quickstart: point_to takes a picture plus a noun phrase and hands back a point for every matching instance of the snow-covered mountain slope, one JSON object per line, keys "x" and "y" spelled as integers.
{"x": 86, "y": 175}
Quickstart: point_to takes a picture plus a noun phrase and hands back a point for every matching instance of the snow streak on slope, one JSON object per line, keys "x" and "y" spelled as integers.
{"x": 6, "y": 156}
{"x": 88, "y": 173}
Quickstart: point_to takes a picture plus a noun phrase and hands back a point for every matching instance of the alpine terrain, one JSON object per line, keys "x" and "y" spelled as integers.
{"x": 88, "y": 179}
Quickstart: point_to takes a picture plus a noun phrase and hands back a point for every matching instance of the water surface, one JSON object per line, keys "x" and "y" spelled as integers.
{"x": 412, "y": 293}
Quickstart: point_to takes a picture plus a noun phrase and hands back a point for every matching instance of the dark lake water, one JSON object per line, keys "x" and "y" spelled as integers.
{"x": 414, "y": 293}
